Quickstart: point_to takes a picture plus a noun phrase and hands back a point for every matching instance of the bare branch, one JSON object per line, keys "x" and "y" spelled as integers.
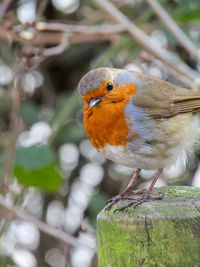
{"x": 173, "y": 27}
{"x": 15, "y": 128}
{"x": 58, "y": 234}
{"x": 145, "y": 41}
{"x": 41, "y": 8}
{"x": 3, "y": 7}
{"x": 94, "y": 37}
{"x": 54, "y": 38}
{"x": 55, "y": 26}
{"x": 45, "y": 38}
{"x": 56, "y": 50}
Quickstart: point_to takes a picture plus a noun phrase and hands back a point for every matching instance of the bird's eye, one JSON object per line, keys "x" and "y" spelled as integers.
{"x": 109, "y": 86}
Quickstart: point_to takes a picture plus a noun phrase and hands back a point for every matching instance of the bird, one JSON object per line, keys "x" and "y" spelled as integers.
{"x": 139, "y": 121}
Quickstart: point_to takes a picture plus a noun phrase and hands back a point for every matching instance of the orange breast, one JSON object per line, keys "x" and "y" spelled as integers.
{"x": 106, "y": 124}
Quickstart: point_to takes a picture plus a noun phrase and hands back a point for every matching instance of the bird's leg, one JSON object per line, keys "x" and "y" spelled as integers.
{"x": 127, "y": 191}
{"x": 135, "y": 202}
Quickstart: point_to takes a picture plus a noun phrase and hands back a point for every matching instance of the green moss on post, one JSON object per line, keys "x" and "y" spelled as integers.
{"x": 157, "y": 233}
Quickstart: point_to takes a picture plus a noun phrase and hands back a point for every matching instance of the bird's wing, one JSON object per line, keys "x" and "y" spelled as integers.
{"x": 187, "y": 103}
{"x": 161, "y": 99}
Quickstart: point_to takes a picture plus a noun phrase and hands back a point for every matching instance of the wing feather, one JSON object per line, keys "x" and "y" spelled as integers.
{"x": 161, "y": 99}
{"x": 187, "y": 103}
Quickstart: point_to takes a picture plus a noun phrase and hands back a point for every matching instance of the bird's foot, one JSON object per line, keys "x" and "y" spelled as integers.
{"x": 110, "y": 203}
{"x": 138, "y": 201}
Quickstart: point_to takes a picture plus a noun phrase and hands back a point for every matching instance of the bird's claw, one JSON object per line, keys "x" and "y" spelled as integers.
{"x": 123, "y": 195}
{"x": 133, "y": 202}
{"x": 138, "y": 201}
{"x": 114, "y": 199}
{"x": 112, "y": 202}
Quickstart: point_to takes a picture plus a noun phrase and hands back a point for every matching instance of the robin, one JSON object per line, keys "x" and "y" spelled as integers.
{"x": 138, "y": 121}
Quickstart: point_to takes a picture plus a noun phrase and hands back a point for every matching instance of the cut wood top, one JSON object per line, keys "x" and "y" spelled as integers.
{"x": 178, "y": 202}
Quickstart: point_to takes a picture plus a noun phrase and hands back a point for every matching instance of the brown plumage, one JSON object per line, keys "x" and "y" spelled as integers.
{"x": 162, "y": 99}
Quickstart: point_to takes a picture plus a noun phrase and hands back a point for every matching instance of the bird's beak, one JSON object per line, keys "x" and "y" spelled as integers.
{"x": 94, "y": 101}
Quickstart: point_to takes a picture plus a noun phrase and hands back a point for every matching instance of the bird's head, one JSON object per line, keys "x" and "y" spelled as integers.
{"x": 107, "y": 85}
{"x": 106, "y": 92}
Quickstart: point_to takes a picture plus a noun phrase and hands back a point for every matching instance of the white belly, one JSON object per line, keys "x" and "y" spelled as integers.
{"x": 173, "y": 141}
{"x": 131, "y": 159}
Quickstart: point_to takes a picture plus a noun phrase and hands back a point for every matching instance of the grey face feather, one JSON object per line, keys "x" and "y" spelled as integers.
{"x": 93, "y": 79}
{"x": 126, "y": 77}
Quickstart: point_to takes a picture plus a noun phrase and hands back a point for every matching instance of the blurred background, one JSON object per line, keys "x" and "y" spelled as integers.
{"x": 53, "y": 182}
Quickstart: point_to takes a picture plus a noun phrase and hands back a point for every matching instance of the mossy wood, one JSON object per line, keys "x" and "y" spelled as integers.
{"x": 158, "y": 233}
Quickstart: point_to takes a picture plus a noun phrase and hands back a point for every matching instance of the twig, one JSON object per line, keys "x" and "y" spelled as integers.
{"x": 41, "y": 8}
{"x": 54, "y": 38}
{"x": 56, "y": 50}
{"x": 55, "y": 26}
{"x": 45, "y": 38}
{"x": 15, "y": 122}
{"x": 58, "y": 234}
{"x": 145, "y": 41}
{"x": 173, "y": 27}
{"x": 3, "y": 7}
{"x": 94, "y": 37}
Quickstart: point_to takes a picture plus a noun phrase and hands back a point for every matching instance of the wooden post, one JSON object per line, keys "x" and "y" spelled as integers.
{"x": 161, "y": 233}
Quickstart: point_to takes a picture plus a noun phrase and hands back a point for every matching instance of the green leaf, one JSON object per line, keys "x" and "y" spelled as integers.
{"x": 187, "y": 11}
{"x": 35, "y": 157}
{"x": 35, "y": 166}
{"x": 48, "y": 178}
{"x": 97, "y": 203}
{"x": 29, "y": 112}
{"x": 70, "y": 133}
